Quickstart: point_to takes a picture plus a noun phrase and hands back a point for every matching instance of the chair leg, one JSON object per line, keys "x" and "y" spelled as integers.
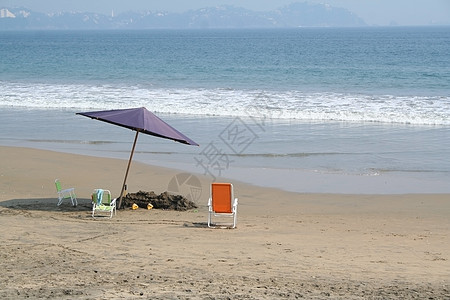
{"x": 209, "y": 219}
{"x": 66, "y": 194}
{"x": 73, "y": 197}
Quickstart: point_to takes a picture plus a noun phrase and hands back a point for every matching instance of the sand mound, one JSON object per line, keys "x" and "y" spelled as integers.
{"x": 162, "y": 201}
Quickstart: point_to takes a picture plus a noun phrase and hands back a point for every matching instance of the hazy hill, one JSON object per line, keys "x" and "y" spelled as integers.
{"x": 293, "y": 15}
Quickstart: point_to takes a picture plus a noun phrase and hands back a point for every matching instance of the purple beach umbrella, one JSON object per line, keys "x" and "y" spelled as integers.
{"x": 142, "y": 121}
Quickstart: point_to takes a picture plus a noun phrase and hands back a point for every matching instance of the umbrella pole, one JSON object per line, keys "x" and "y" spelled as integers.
{"x": 128, "y": 168}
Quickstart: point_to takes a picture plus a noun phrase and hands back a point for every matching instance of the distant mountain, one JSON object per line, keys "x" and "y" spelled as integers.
{"x": 293, "y": 15}
{"x": 318, "y": 15}
{"x": 24, "y": 19}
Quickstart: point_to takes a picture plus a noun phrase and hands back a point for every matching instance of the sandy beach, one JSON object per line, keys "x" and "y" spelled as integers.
{"x": 286, "y": 245}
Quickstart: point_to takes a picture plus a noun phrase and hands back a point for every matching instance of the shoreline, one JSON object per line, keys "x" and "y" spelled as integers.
{"x": 290, "y": 180}
{"x": 286, "y": 245}
{"x": 322, "y": 158}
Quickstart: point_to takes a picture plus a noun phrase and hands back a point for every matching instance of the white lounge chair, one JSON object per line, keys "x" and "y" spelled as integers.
{"x": 102, "y": 203}
{"x": 65, "y": 194}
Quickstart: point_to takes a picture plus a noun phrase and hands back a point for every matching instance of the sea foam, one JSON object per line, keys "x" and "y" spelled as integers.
{"x": 298, "y": 105}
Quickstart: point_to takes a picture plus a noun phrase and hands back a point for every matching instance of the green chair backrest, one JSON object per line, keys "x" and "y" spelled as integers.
{"x": 58, "y": 185}
{"x": 106, "y": 199}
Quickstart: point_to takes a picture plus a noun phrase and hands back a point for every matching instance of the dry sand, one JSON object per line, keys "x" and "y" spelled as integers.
{"x": 286, "y": 245}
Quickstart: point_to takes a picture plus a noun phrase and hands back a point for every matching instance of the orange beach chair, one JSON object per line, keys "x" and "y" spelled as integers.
{"x": 222, "y": 203}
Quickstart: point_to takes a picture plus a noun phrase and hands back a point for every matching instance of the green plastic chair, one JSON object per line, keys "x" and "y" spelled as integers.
{"x": 65, "y": 194}
{"x": 102, "y": 203}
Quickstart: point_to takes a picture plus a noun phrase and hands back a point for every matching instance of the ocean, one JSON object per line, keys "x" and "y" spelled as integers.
{"x": 311, "y": 110}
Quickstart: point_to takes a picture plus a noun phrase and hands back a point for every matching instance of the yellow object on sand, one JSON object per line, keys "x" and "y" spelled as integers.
{"x": 149, "y": 206}
{"x": 135, "y": 206}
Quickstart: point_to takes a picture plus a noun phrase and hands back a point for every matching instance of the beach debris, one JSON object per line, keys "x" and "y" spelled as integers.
{"x": 134, "y": 206}
{"x": 164, "y": 200}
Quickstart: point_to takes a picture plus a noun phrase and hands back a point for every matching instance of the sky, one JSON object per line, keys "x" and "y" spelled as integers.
{"x": 373, "y": 12}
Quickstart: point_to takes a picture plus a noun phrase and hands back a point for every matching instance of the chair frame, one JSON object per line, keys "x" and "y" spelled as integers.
{"x": 230, "y": 211}
{"x": 65, "y": 194}
{"x": 109, "y": 207}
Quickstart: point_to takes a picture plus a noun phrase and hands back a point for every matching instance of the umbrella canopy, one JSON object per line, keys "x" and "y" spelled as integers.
{"x": 139, "y": 120}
